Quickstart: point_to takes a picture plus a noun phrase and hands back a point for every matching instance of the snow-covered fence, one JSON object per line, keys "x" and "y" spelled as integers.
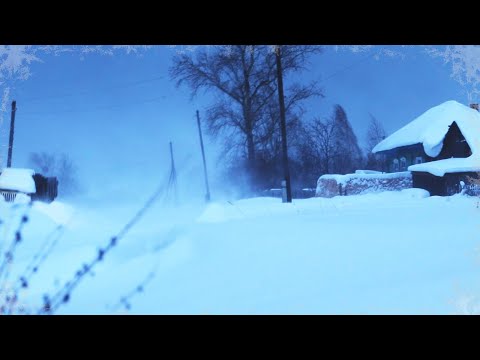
{"x": 358, "y": 183}
{"x": 470, "y": 189}
{"x": 296, "y": 193}
{"x": 8, "y": 298}
{"x": 9, "y": 195}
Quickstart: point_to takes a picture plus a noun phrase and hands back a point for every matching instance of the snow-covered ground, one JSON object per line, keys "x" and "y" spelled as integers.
{"x": 392, "y": 252}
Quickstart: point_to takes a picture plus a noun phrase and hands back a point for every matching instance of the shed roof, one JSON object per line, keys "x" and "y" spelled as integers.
{"x": 18, "y": 180}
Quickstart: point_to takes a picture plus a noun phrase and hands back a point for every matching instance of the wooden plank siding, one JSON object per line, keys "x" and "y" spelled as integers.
{"x": 446, "y": 185}
{"x": 47, "y": 188}
{"x": 410, "y": 153}
{"x": 454, "y": 145}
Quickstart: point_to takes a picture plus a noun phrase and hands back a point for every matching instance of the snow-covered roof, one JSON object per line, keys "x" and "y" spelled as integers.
{"x": 18, "y": 179}
{"x": 430, "y": 128}
{"x": 453, "y": 165}
{"x": 367, "y": 172}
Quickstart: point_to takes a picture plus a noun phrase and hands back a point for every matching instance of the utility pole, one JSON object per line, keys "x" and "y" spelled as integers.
{"x": 172, "y": 182}
{"x": 207, "y": 196}
{"x": 283, "y": 126}
{"x": 12, "y": 130}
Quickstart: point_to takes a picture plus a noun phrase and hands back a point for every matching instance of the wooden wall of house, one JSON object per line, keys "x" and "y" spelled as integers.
{"x": 454, "y": 144}
{"x": 410, "y": 153}
{"x": 435, "y": 185}
{"x": 47, "y": 188}
{"x": 447, "y": 185}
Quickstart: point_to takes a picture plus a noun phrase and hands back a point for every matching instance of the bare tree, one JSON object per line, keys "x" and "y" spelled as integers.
{"x": 315, "y": 151}
{"x": 323, "y": 141}
{"x": 243, "y": 80}
{"x": 348, "y": 156}
{"x": 67, "y": 174}
{"x": 375, "y": 134}
{"x": 60, "y": 166}
{"x": 43, "y": 162}
{"x": 327, "y": 146}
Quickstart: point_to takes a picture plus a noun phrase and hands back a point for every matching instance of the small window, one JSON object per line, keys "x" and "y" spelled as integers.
{"x": 403, "y": 164}
{"x": 395, "y": 164}
{"x": 418, "y": 160}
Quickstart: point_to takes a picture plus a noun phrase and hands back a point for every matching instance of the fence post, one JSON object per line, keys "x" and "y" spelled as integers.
{"x": 284, "y": 191}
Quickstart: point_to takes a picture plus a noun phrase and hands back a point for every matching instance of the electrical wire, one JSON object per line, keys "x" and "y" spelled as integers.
{"x": 88, "y": 92}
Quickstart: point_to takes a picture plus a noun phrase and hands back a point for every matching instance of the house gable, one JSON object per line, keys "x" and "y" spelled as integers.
{"x": 454, "y": 144}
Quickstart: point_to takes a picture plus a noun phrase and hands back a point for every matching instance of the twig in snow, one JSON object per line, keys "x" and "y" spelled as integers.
{"x": 62, "y": 296}
{"x": 125, "y": 301}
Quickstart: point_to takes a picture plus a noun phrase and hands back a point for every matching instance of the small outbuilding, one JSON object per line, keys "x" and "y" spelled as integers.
{"x": 14, "y": 181}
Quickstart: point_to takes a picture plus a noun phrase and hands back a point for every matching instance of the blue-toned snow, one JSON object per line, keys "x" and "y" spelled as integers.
{"x": 392, "y": 252}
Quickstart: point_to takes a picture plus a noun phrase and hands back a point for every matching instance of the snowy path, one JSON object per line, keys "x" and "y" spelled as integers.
{"x": 383, "y": 253}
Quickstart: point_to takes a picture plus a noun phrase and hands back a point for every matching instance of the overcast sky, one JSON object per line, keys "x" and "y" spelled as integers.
{"x": 115, "y": 114}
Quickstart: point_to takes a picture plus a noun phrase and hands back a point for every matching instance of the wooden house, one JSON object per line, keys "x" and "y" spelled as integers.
{"x": 441, "y": 148}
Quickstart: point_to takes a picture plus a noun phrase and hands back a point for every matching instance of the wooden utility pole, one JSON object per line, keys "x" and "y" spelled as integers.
{"x": 171, "y": 158}
{"x": 207, "y": 196}
{"x": 12, "y": 130}
{"x": 283, "y": 126}
{"x": 172, "y": 182}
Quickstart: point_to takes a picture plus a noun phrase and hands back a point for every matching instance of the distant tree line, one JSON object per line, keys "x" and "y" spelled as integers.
{"x": 375, "y": 134}
{"x": 245, "y": 115}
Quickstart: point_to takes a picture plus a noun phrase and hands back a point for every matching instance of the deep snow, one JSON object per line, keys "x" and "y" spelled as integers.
{"x": 392, "y": 252}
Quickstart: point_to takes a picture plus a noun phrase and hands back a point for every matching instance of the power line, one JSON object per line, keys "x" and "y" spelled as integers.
{"x": 160, "y": 77}
{"x": 172, "y": 181}
{"x": 351, "y": 66}
{"x": 130, "y": 84}
{"x": 86, "y": 92}
{"x": 110, "y": 107}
